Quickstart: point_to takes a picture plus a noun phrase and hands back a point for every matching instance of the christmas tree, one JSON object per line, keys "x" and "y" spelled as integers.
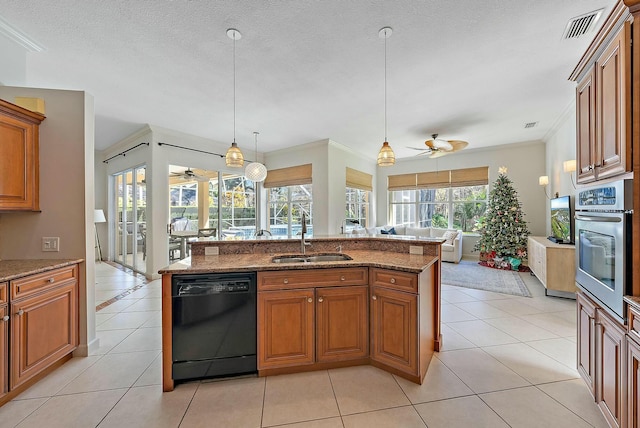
{"x": 503, "y": 235}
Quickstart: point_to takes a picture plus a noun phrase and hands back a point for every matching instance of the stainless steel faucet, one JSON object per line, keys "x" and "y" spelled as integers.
{"x": 304, "y": 243}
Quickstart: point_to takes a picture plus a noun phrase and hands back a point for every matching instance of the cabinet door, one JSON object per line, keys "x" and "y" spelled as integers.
{"x": 285, "y": 328}
{"x": 585, "y": 128}
{"x": 613, "y": 106}
{"x": 609, "y": 362}
{"x": 44, "y": 328}
{"x": 633, "y": 383}
{"x": 4, "y": 369}
{"x": 586, "y": 340}
{"x": 19, "y": 161}
{"x": 342, "y": 325}
{"x": 394, "y": 329}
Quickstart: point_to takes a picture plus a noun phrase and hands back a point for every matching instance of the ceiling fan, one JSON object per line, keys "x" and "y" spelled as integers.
{"x": 189, "y": 175}
{"x": 437, "y": 147}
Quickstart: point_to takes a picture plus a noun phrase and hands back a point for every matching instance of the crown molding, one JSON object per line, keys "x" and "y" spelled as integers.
{"x": 19, "y": 37}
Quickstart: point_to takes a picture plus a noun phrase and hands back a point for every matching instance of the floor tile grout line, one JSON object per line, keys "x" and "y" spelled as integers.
{"x": 545, "y": 393}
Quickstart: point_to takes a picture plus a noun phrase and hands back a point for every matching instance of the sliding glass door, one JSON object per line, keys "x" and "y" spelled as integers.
{"x": 129, "y": 224}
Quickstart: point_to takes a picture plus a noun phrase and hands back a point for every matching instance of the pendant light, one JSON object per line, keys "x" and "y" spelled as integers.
{"x": 255, "y": 171}
{"x": 234, "y": 157}
{"x": 386, "y": 157}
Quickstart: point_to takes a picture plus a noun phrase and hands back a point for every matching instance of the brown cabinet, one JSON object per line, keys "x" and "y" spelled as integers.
{"x": 633, "y": 383}
{"x": 586, "y": 340}
{"x": 603, "y": 111}
{"x": 4, "y": 349}
{"x": 403, "y": 321}
{"x": 610, "y": 373}
{"x": 19, "y": 158}
{"x": 303, "y": 324}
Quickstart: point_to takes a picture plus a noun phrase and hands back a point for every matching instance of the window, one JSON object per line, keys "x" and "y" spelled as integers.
{"x": 357, "y": 208}
{"x": 237, "y": 206}
{"x": 455, "y": 199}
{"x": 286, "y": 206}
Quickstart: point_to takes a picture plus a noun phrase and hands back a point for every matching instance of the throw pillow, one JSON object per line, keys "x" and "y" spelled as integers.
{"x": 449, "y": 236}
{"x": 391, "y": 231}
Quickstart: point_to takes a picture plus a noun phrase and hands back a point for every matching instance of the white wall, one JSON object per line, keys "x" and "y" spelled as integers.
{"x": 525, "y": 163}
{"x": 66, "y": 195}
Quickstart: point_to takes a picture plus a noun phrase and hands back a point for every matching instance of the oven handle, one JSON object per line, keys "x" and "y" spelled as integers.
{"x": 599, "y": 219}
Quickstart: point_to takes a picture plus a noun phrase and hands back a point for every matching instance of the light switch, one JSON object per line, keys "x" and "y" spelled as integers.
{"x": 50, "y": 243}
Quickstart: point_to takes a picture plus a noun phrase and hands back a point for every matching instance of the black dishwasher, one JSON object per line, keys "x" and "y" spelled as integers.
{"x": 214, "y": 325}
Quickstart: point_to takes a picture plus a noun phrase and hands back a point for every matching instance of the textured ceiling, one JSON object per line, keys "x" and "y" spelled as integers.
{"x": 308, "y": 69}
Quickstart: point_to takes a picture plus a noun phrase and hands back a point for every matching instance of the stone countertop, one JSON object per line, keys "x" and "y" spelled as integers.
{"x": 633, "y": 301}
{"x": 12, "y": 269}
{"x": 262, "y": 261}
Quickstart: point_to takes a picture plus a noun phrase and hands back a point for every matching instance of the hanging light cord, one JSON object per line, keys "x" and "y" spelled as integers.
{"x": 385, "y": 85}
{"x": 234, "y": 87}
{"x": 255, "y": 134}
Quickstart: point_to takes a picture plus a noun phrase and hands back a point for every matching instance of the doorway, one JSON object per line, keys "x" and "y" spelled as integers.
{"x": 129, "y": 224}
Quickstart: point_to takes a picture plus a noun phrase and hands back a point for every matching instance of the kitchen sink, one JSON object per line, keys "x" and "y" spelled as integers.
{"x": 311, "y": 258}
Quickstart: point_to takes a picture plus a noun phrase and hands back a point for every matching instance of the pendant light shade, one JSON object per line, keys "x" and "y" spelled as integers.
{"x": 256, "y": 171}
{"x": 386, "y": 157}
{"x": 234, "y": 157}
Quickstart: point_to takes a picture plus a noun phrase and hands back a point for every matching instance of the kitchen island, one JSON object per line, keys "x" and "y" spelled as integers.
{"x": 379, "y": 307}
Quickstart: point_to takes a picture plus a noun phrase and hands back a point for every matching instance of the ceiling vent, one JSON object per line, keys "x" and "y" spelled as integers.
{"x": 581, "y": 25}
{"x": 530, "y": 125}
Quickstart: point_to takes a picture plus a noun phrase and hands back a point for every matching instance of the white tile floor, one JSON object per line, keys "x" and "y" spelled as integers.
{"x": 507, "y": 362}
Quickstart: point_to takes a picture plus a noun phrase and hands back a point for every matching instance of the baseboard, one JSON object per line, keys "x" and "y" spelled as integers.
{"x": 88, "y": 349}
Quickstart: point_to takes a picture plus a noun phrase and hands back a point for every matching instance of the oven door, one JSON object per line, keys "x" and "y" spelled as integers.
{"x": 600, "y": 257}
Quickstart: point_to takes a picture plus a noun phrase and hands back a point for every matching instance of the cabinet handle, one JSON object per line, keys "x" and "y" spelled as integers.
{"x": 392, "y": 280}
{"x": 374, "y": 297}
{"x": 342, "y": 278}
{"x": 590, "y": 167}
{"x": 50, "y": 280}
{"x": 5, "y": 318}
{"x": 597, "y": 165}
{"x": 320, "y": 300}
{"x": 286, "y": 281}
{"x": 20, "y": 312}
{"x": 309, "y": 299}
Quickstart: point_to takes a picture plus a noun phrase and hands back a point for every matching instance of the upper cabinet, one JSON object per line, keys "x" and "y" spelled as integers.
{"x": 19, "y": 158}
{"x": 603, "y": 102}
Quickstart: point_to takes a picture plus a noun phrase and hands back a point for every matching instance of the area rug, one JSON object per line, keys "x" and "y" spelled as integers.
{"x": 470, "y": 274}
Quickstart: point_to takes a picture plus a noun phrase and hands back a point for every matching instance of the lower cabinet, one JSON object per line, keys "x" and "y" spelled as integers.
{"x": 44, "y": 329}
{"x": 4, "y": 368}
{"x": 610, "y": 374}
{"x": 586, "y": 340}
{"x": 633, "y": 383}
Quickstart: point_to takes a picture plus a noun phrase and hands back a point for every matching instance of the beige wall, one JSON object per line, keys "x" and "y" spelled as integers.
{"x": 66, "y": 194}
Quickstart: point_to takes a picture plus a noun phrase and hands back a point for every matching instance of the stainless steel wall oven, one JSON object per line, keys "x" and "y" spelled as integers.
{"x": 603, "y": 243}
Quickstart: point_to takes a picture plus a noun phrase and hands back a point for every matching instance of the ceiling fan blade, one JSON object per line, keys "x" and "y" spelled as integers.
{"x": 442, "y": 145}
{"x": 438, "y": 154}
{"x": 418, "y": 148}
{"x": 458, "y": 145}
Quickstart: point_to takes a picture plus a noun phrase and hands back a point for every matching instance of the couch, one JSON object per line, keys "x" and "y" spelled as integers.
{"x": 451, "y": 249}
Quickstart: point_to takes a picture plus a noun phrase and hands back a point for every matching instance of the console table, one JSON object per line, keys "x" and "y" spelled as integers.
{"x": 553, "y": 264}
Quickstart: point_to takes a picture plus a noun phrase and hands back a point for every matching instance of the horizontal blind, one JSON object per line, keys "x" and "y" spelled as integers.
{"x": 470, "y": 176}
{"x": 291, "y": 176}
{"x": 433, "y": 180}
{"x": 359, "y": 180}
{"x": 401, "y": 182}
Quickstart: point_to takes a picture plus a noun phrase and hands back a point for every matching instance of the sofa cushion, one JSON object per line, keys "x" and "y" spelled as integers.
{"x": 449, "y": 236}
{"x": 418, "y": 231}
{"x": 447, "y": 248}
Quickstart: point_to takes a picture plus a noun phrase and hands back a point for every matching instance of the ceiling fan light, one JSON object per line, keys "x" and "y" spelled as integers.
{"x": 234, "y": 157}
{"x": 386, "y": 157}
{"x": 255, "y": 172}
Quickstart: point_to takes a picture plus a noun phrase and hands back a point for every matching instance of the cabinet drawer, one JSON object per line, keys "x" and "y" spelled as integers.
{"x": 634, "y": 322}
{"x": 36, "y": 283}
{"x": 3, "y": 292}
{"x": 395, "y": 280}
{"x": 282, "y": 280}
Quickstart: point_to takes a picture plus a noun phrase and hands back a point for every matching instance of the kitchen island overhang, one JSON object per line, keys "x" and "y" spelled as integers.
{"x": 394, "y": 288}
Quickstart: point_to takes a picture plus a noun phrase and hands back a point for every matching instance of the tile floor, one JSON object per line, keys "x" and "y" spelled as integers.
{"x": 507, "y": 362}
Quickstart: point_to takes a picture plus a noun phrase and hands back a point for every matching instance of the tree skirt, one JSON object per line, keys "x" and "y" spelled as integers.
{"x": 470, "y": 274}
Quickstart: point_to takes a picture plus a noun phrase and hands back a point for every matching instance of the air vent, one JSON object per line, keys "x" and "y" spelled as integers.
{"x": 581, "y": 25}
{"x": 530, "y": 125}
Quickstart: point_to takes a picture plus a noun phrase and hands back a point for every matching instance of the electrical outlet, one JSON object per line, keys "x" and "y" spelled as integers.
{"x": 50, "y": 243}
{"x": 415, "y": 249}
{"x": 211, "y": 251}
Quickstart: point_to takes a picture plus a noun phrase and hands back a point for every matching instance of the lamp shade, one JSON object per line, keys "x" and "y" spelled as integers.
{"x": 386, "y": 157}
{"x": 98, "y": 216}
{"x": 569, "y": 166}
{"x": 255, "y": 171}
{"x": 543, "y": 180}
{"x": 234, "y": 157}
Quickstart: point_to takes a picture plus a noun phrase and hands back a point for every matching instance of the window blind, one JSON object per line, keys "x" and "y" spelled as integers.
{"x": 470, "y": 176}
{"x": 291, "y": 176}
{"x": 359, "y": 180}
{"x": 440, "y": 179}
{"x": 433, "y": 180}
{"x": 401, "y": 182}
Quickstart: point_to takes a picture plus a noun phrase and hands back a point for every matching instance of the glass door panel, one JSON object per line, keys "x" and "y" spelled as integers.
{"x": 130, "y": 237}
